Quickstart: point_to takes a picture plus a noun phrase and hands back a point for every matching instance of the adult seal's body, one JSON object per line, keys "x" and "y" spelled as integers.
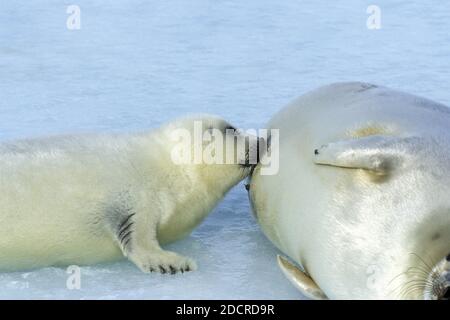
{"x": 86, "y": 199}
{"x": 362, "y": 197}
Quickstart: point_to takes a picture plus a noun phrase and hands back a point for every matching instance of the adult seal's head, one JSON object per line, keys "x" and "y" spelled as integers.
{"x": 361, "y": 201}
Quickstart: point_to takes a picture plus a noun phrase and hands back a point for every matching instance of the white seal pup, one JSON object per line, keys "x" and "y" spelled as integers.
{"x": 362, "y": 197}
{"x": 86, "y": 199}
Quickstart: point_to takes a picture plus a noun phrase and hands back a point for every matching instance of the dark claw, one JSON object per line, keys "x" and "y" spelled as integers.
{"x": 172, "y": 270}
{"x": 316, "y": 152}
{"x": 152, "y": 270}
{"x": 162, "y": 270}
{"x": 187, "y": 269}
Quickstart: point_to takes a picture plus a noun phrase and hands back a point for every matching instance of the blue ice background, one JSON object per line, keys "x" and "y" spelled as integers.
{"x": 136, "y": 64}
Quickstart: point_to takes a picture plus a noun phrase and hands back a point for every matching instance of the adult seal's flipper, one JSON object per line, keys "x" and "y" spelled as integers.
{"x": 380, "y": 154}
{"x": 300, "y": 280}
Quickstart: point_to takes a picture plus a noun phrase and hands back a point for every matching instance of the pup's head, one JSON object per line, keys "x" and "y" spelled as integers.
{"x": 213, "y": 148}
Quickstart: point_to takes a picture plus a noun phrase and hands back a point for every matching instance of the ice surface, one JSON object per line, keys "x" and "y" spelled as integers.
{"x": 136, "y": 64}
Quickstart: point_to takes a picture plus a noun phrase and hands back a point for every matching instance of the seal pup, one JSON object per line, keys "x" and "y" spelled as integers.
{"x": 85, "y": 199}
{"x": 362, "y": 198}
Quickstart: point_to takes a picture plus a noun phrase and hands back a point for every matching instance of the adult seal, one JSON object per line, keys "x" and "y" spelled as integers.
{"x": 362, "y": 198}
{"x": 85, "y": 199}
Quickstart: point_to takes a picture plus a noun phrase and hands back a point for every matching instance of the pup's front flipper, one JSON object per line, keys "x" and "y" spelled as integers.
{"x": 158, "y": 260}
{"x": 300, "y": 280}
{"x": 137, "y": 238}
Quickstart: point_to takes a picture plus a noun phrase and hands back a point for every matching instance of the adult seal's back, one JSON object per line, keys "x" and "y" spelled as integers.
{"x": 362, "y": 197}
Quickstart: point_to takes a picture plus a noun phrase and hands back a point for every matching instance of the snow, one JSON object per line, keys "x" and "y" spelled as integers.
{"x": 136, "y": 64}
